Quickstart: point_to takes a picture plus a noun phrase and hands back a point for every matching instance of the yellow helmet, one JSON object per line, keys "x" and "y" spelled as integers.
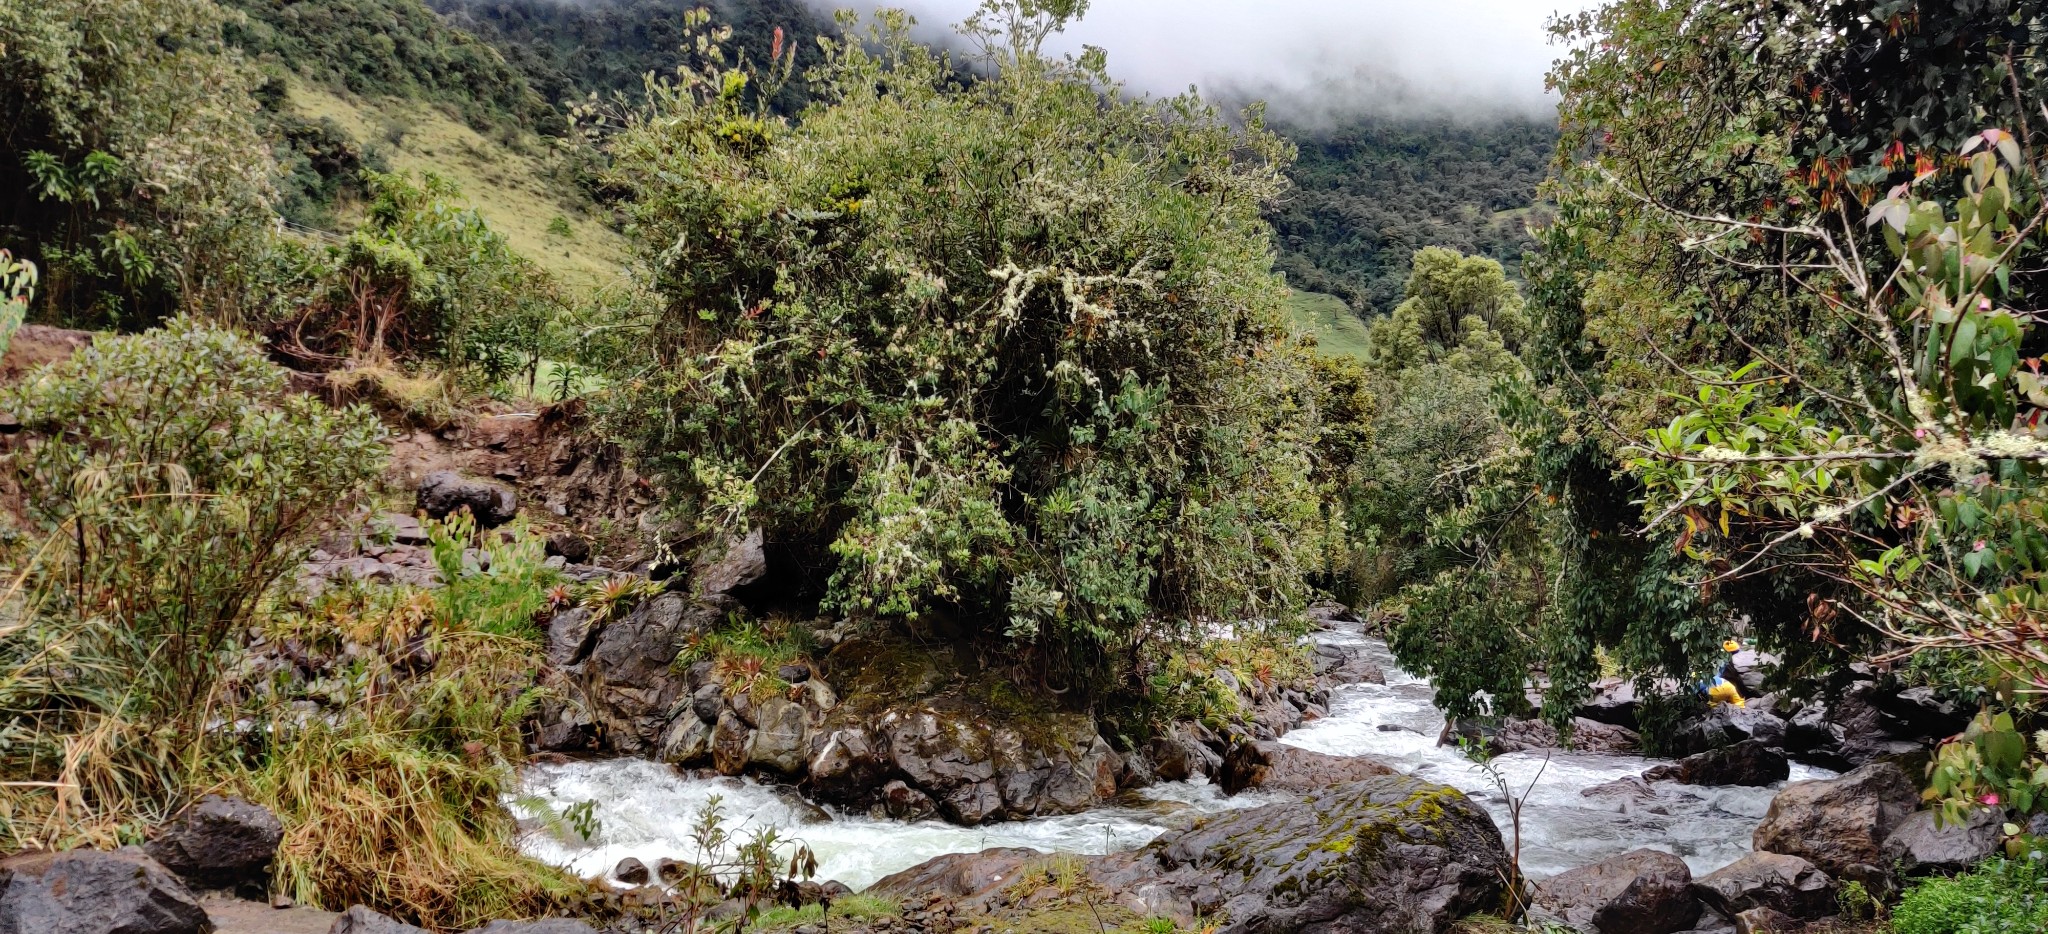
{"x": 1731, "y": 646}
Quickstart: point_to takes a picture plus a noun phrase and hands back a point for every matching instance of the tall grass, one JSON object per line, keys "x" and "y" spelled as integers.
{"x": 395, "y": 802}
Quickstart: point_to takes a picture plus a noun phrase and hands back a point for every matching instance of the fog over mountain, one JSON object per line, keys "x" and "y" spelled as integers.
{"x": 1318, "y": 59}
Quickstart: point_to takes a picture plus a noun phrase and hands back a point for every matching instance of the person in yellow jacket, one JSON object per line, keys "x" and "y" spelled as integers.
{"x": 1723, "y": 690}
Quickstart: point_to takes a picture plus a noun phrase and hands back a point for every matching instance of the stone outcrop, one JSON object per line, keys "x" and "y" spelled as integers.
{"x": 218, "y": 841}
{"x": 1638, "y": 892}
{"x": 94, "y": 892}
{"x": 445, "y": 492}
{"x": 1379, "y": 856}
{"x": 1272, "y": 766}
{"x": 1841, "y": 822}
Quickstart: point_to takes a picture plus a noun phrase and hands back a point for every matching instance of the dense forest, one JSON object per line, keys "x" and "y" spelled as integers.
{"x": 398, "y": 402}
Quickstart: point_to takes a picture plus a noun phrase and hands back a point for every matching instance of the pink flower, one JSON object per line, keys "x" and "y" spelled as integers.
{"x": 1990, "y": 799}
{"x": 1978, "y": 545}
{"x": 1983, "y": 304}
{"x": 1920, "y": 434}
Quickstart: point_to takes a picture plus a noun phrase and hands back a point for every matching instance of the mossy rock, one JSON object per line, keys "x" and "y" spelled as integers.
{"x": 1387, "y": 854}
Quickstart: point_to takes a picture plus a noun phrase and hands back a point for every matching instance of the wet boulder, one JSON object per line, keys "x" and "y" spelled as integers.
{"x": 1766, "y": 921}
{"x": 1272, "y": 766}
{"x": 218, "y": 841}
{"x": 1639, "y": 892}
{"x": 1921, "y": 845}
{"x": 1841, "y": 822}
{"x": 361, "y": 920}
{"x": 1749, "y": 762}
{"x": 94, "y": 892}
{"x": 445, "y": 492}
{"x": 1785, "y": 884}
{"x": 1388, "y": 855}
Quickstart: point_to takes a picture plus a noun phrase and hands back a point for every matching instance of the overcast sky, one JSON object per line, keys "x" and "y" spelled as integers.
{"x": 1471, "y": 57}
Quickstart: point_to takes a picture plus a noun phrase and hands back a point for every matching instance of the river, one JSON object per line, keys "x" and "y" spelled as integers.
{"x": 646, "y": 810}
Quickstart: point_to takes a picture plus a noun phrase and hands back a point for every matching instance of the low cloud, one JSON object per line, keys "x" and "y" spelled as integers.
{"x": 1319, "y": 59}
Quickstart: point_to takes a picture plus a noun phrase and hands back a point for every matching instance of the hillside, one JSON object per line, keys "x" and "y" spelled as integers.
{"x": 507, "y": 176}
{"x": 1371, "y": 192}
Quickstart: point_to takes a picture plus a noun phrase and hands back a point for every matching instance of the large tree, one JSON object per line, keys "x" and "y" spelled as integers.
{"x": 1004, "y": 354}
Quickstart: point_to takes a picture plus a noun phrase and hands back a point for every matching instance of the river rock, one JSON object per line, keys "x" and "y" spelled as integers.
{"x": 444, "y": 492}
{"x": 1614, "y": 703}
{"x": 1781, "y": 883}
{"x": 94, "y": 892}
{"x": 1766, "y": 921}
{"x": 1840, "y": 822}
{"x": 1627, "y": 795}
{"x": 1587, "y": 736}
{"x": 959, "y": 875}
{"x": 688, "y": 741}
{"x": 1176, "y": 756}
{"x": 360, "y": 920}
{"x": 1921, "y": 845}
{"x": 218, "y": 841}
{"x": 782, "y": 737}
{"x": 1387, "y": 855}
{"x": 903, "y": 802}
{"x": 731, "y": 744}
{"x": 1639, "y": 892}
{"x": 1749, "y": 762}
{"x": 1272, "y": 766}
{"x": 1725, "y": 725}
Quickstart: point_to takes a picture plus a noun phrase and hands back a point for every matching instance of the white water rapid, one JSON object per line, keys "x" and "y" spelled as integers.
{"x": 646, "y": 810}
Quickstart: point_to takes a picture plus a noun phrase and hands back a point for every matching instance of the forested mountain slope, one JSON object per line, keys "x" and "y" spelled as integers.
{"x": 569, "y": 50}
{"x": 1371, "y": 191}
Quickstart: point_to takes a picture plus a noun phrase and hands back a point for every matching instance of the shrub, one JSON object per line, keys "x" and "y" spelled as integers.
{"x": 167, "y": 480}
{"x": 423, "y": 280}
{"x": 1008, "y": 352}
{"x": 1999, "y": 897}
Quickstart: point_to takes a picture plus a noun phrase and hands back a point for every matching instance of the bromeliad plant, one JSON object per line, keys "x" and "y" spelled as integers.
{"x": 1916, "y": 481}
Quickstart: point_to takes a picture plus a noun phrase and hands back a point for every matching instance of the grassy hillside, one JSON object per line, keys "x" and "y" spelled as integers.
{"x": 505, "y": 177}
{"x": 1337, "y": 330}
